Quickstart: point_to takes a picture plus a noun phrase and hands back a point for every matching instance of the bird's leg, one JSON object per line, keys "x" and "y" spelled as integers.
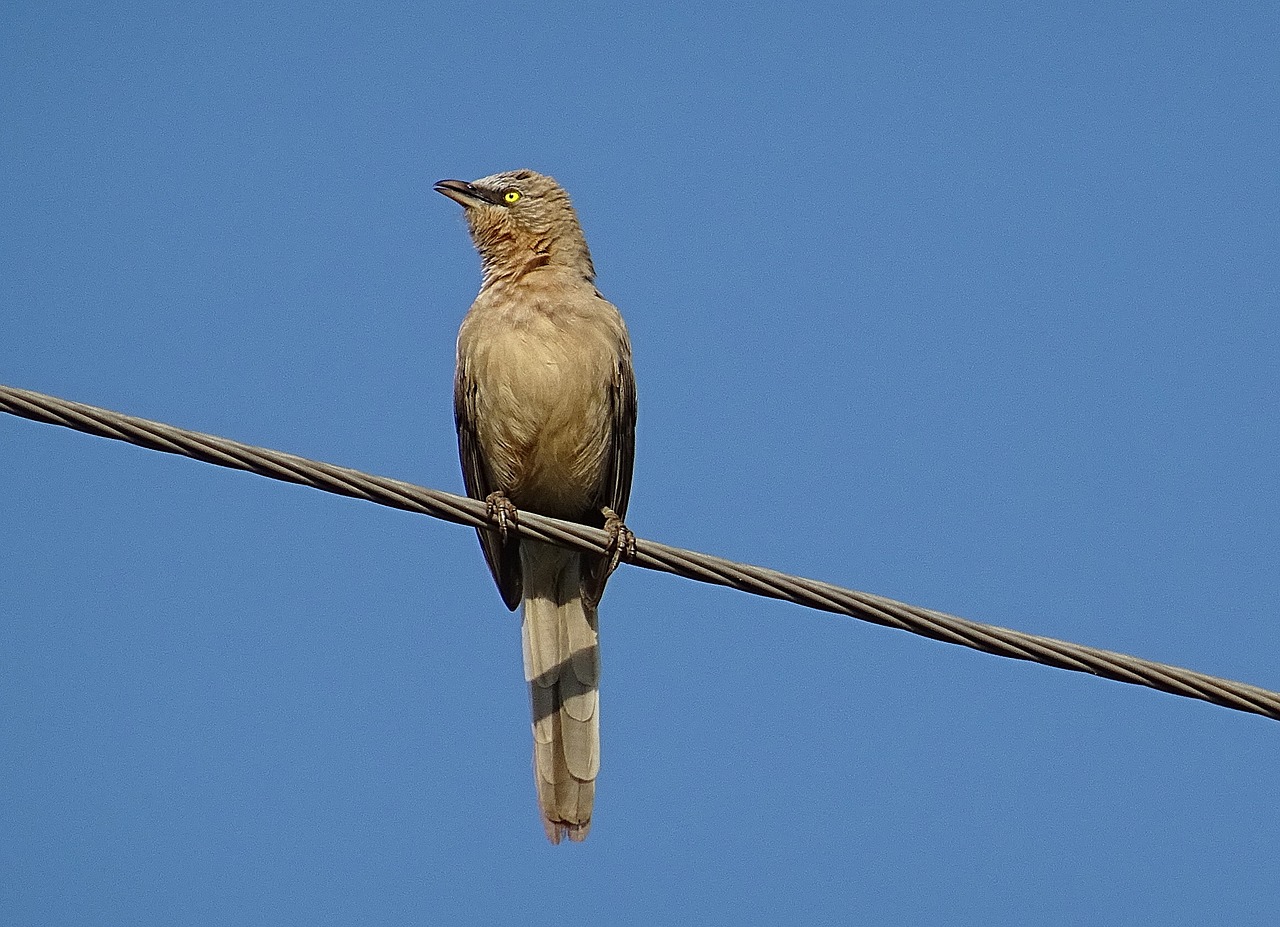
{"x": 502, "y": 512}
{"x": 620, "y": 546}
{"x": 622, "y": 541}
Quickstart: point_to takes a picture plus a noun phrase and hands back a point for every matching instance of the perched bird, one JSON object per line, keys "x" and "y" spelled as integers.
{"x": 545, "y": 405}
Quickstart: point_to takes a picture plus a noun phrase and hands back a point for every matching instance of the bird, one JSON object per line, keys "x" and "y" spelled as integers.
{"x": 545, "y": 408}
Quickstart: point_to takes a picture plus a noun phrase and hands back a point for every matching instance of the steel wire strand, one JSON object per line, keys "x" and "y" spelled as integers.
{"x": 702, "y": 567}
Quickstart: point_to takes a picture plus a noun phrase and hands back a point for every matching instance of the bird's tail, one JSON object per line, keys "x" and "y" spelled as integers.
{"x": 562, "y": 666}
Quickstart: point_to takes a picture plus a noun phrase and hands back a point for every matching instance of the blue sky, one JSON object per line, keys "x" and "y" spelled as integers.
{"x": 969, "y": 305}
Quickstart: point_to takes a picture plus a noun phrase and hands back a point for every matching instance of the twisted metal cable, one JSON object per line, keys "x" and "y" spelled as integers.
{"x": 650, "y": 554}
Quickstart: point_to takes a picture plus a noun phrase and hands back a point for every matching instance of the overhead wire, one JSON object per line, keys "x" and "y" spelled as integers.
{"x": 694, "y": 565}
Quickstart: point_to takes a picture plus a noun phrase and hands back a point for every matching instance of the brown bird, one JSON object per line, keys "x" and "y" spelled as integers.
{"x": 545, "y": 404}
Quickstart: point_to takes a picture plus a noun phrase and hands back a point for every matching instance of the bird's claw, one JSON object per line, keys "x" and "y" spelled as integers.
{"x": 502, "y": 512}
{"x": 622, "y": 541}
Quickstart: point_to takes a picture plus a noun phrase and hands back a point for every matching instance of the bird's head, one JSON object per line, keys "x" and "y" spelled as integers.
{"x": 520, "y": 220}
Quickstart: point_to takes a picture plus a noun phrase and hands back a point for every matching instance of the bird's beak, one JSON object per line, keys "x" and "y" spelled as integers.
{"x": 461, "y": 192}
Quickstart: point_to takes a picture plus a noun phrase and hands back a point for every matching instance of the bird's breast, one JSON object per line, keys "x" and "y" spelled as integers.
{"x": 542, "y": 381}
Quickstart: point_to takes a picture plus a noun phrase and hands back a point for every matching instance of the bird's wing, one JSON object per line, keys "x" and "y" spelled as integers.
{"x": 615, "y": 486}
{"x": 622, "y": 440}
{"x": 503, "y": 557}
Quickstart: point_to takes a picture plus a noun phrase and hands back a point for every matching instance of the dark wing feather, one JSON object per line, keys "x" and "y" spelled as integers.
{"x": 615, "y": 489}
{"x": 503, "y": 559}
{"x": 623, "y": 440}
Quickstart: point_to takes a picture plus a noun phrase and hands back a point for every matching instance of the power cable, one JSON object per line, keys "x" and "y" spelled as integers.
{"x": 649, "y": 554}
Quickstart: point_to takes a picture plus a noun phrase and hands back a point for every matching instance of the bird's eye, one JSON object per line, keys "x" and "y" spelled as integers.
{"x": 511, "y": 196}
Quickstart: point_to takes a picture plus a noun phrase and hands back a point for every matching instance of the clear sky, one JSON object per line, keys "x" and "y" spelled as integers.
{"x": 972, "y": 305}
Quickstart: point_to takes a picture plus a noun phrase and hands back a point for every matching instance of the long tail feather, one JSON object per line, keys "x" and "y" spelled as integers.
{"x": 562, "y": 667}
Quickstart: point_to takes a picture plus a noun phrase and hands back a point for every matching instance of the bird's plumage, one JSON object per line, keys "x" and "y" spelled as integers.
{"x": 545, "y": 405}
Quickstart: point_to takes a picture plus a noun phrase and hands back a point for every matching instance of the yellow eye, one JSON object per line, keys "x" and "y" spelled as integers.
{"x": 511, "y": 196}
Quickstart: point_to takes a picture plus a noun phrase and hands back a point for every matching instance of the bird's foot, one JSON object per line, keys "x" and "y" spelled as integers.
{"x": 502, "y": 512}
{"x": 622, "y": 541}
{"x": 620, "y": 546}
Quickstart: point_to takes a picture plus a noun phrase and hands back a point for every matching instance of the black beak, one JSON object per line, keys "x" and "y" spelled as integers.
{"x": 461, "y": 192}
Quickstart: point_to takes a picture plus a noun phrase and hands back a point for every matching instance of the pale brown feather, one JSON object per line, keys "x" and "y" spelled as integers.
{"x": 545, "y": 405}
